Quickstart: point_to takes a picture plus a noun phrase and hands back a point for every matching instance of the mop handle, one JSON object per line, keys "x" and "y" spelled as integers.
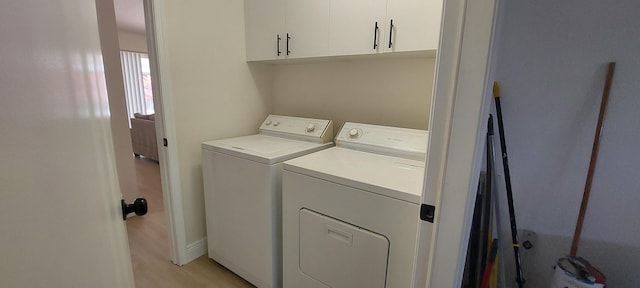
{"x": 507, "y": 176}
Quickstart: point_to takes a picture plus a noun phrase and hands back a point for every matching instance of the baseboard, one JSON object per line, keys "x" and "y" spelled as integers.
{"x": 196, "y": 249}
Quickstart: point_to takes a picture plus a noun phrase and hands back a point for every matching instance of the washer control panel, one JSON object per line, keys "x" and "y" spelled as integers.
{"x": 316, "y": 130}
{"x": 393, "y": 141}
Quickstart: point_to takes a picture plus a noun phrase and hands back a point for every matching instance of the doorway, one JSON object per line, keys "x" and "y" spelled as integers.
{"x": 148, "y": 235}
{"x": 156, "y": 240}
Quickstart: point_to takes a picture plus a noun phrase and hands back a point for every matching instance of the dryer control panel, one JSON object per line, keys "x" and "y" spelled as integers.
{"x": 392, "y": 141}
{"x": 307, "y": 129}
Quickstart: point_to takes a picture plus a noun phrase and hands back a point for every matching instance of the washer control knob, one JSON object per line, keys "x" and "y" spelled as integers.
{"x": 268, "y": 122}
{"x": 276, "y": 123}
{"x": 354, "y": 133}
{"x": 310, "y": 128}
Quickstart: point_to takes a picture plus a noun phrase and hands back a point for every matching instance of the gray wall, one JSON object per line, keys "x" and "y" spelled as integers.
{"x": 551, "y": 65}
{"x": 391, "y": 92}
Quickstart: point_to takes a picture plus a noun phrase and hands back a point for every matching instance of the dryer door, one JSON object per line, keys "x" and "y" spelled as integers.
{"x": 341, "y": 255}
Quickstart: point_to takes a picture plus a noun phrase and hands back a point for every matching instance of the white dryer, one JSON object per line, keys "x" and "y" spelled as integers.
{"x": 351, "y": 212}
{"x": 243, "y": 196}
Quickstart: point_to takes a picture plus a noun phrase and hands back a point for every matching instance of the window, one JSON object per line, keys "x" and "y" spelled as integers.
{"x": 136, "y": 73}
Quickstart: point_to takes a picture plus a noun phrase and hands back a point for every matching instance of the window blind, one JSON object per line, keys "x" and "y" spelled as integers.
{"x": 133, "y": 74}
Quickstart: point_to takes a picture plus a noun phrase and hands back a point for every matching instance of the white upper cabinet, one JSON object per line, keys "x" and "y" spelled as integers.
{"x": 281, "y": 29}
{"x": 287, "y": 29}
{"x": 357, "y": 26}
{"x": 264, "y": 23}
{"x": 307, "y": 25}
{"x": 416, "y": 25}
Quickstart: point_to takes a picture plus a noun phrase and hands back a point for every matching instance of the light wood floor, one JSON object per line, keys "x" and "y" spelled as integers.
{"x": 149, "y": 245}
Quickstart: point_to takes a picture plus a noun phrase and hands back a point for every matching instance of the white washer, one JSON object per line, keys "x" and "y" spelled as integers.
{"x": 243, "y": 194}
{"x": 351, "y": 212}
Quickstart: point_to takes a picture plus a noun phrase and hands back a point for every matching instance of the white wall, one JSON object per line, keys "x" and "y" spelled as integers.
{"x": 392, "y": 92}
{"x": 117, "y": 104}
{"x": 214, "y": 92}
{"x": 551, "y": 67}
{"x": 132, "y": 41}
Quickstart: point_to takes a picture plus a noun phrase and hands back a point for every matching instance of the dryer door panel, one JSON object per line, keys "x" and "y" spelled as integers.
{"x": 341, "y": 255}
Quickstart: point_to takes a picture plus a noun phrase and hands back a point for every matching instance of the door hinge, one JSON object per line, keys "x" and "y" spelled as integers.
{"x": 427, "y": 212}
{"x": 165, "y": 142}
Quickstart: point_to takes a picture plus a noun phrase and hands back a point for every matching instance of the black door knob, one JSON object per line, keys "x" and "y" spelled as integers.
{"x": 139, "y": 206}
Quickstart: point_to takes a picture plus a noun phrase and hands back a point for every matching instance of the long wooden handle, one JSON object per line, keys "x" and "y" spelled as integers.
{"x": 594, "y": 159}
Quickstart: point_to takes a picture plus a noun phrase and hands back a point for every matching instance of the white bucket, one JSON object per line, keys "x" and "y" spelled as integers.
{"x": 565, "y": 276}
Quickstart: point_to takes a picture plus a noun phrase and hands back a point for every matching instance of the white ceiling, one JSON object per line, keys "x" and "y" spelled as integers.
{"x": 130, "y": 15}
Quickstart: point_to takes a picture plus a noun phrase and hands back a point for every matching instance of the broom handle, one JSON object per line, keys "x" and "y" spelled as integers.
{"x": 594, "y": 159}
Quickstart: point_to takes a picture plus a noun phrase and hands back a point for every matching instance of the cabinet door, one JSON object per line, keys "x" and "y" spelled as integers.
{"x": 353, "y": 25}
{"x": 264, "y": 21}
{"x": 416, "y": 25}
{"x": 307, "y": 23}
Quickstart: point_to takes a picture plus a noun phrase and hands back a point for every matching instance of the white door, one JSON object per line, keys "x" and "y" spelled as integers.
{"x": 60, "y": 217}
{"x": 357, "y": 26}
{"x": 416, "y": 25}
{"x": 266, "y": 36}
{"x": 307, "y": 25}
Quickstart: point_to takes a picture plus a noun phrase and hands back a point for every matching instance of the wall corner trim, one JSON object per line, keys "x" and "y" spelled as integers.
{"x": 196, "y": 249}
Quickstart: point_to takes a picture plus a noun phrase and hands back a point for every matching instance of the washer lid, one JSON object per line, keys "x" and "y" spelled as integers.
{"x": 390, "y": 176}
{"x": 263, "y": 148}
